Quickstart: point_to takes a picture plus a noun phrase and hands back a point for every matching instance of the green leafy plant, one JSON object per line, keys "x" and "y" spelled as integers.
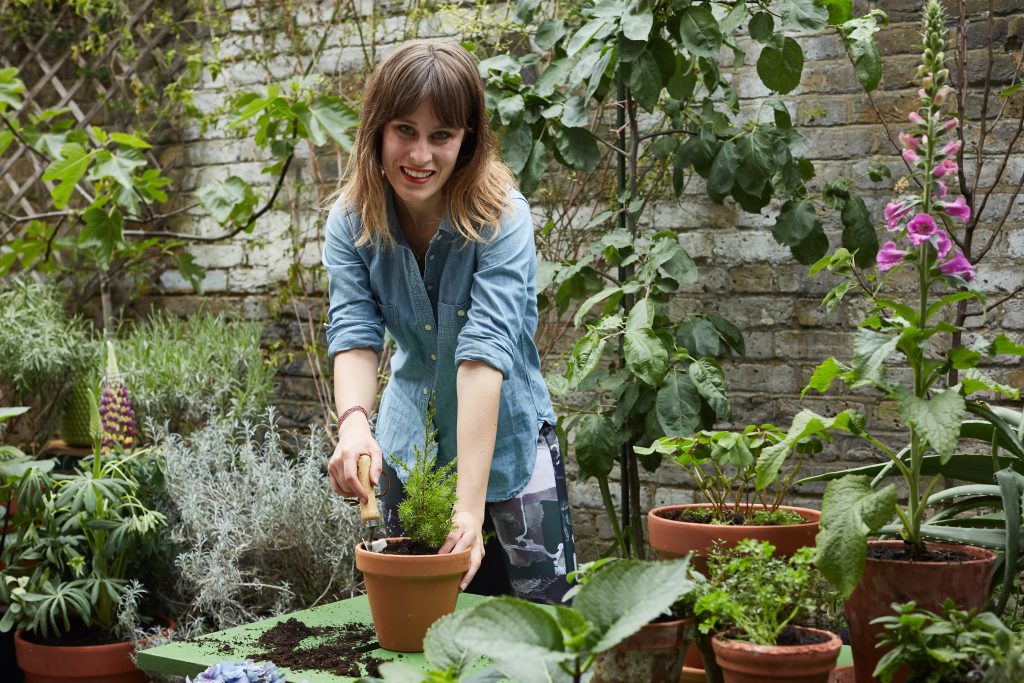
{"x": 650, "y": 72}
{"x": 187, "y": 372}
{"x": 739, "y": 472}
{"x": 934, "y": 415}
{"x": 79, "y": 538}
{"x": 525, "y": 642}
{"x": 426, "y": 510}
{"x": 958, "y": 645}
{"x": 753, "y": 590}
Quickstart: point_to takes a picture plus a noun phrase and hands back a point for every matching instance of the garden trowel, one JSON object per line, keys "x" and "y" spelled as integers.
{"x": 368, "y": 511}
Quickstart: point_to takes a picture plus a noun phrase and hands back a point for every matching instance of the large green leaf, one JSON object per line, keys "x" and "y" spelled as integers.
{"x": 700, "y": 32}
{"x": 806, "y": 423}
{"x": 549, "y": 32}
{"x": 579, "y": 148}
{"x": 859, "y": 235}
{"x": 103, "y": 233}
{"x": 623, "y": 596}
{"x": 227, "y": 200}
{"x": 709, "y": 379}
{"x": 670, "y": 257}
{"x": 553, "y": 77}
{"x": 781, "y": 63}
{"x": 330, "y": 118}
{"x": 973, "y": 467}
{"x": 510, "y": 109}
{"x": 677, "y": 405}
{"x": 870, "y": 351}
{"x": 516, "y": 144}
{"x": 586, "y": 354}
{"x": 937, "y": 418}
{"x": 645, "y": 81}
{"x": 646, "y": 355}
{"x": 761, "y": 27}
{"x": 596, "y": 445}
{"x": 824, "y": 375}
{"x": 638, "y": 20}
{"x": 533, "y": 171}
{"x": 117, "y": 166}
{"x": 723, "y": 172}
{"x": 803, "y": 15}
{"x": 585, "y": 34}
{"x": 850, "y": 510}
{"x": 796, "y": 221}
{"x": 576, "y": 113}
{"x": 67, "y": 170}
{"x": 11, "y": 87}
{"x": 757, "y": 161}
{"x": 839, "y": 11}
{"x": 442, "y": 647}
{"x": 520, "y": 638}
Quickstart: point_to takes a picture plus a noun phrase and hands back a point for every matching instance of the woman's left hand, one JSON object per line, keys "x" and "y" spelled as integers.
{"x": 468, "y": 533}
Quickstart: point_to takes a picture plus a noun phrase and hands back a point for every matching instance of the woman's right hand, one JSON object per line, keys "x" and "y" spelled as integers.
{"x": 354, "y": 439}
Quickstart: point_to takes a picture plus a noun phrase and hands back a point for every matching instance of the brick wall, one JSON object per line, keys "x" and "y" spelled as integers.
{"x": 746, "y": 276}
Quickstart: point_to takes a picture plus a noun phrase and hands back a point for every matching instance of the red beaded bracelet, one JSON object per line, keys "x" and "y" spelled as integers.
{"x": 349, "y": 411}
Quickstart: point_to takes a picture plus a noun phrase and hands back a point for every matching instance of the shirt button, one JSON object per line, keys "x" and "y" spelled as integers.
{"x": 428, "y": 327}
{"x": 433, "y": 356}
{"x": 430, "y": 288}
{"x": 460, "y": 312}
{"x": 425, "y": 391}
{"x": 432, "y": 257}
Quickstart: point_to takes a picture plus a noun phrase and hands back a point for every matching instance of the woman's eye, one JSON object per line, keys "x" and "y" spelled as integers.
{"x": 405, "y": 130}
{"x": 442, "y": 135}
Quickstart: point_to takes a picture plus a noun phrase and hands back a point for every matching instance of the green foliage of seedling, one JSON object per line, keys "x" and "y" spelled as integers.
{"x": 426, "y": 510}
{"x": 959, "y": 645}
{"x": 755, "y": 591}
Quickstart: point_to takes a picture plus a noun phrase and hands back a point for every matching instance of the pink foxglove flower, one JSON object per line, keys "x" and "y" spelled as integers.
{"x": 957, "y": 209}
{"x": 894, "y": 212}
{"x": 890, "y": 256}
{"x": 941, "y": 189}
{"x": 942, "y": 243}
{"x": 920, "y": 229}
{"x": 951, "y": 124}
{"x": 910, "y": 156}
{"x": 916, "y": 118}
{"x": 909, "y": 141}
{"x": 946, "y": 167}
{"x": 951, "y": 147}
{"x": 958, "y": 265}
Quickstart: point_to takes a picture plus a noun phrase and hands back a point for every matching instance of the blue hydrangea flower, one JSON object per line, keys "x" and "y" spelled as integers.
{"x": 240, "y": 672}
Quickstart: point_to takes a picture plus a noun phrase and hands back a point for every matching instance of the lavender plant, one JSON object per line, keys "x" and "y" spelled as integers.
{"x": 258, "y": 531}
{"x": 923, "y": 244}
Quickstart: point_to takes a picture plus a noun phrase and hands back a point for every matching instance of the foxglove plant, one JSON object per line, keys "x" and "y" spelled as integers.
{"x": 922, "y": 242}
{"x": 116, "y": 414}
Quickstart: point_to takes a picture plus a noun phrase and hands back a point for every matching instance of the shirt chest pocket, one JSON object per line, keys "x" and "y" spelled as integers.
{"x": 451, "y": 318}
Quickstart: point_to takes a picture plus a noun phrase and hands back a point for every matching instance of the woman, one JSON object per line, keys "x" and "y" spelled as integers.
{"x": 430, "y": 240}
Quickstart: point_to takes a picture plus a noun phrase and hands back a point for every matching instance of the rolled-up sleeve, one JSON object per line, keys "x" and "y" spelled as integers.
{"x": 353, "y": 318}
{"x": 502, "y": 288}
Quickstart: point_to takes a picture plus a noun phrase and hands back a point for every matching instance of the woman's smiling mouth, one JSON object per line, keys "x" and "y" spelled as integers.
{"x": 416, "y": 176}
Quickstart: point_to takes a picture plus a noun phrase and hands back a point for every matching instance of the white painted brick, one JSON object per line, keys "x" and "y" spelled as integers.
{"x": 745, "y": 247}
{"x": 219, "y": 255}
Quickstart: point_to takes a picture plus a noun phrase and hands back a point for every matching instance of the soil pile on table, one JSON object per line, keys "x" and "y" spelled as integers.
{"x": 339, "y": 650}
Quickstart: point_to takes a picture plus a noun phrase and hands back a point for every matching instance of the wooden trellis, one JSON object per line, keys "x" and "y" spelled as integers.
{"x": 57, "y": 76}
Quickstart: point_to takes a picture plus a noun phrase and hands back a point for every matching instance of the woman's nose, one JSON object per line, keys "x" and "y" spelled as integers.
{"x": 420, "y": 153}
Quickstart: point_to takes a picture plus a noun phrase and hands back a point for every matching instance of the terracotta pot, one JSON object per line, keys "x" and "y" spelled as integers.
{"x": 76, "y": 664}
{"x": 672, "y": 539}
{"x": 408, "y": 593}
{"x": 652, "y": 654}
{"x": 926, "y": 583}
{"x": 743, "y": 662}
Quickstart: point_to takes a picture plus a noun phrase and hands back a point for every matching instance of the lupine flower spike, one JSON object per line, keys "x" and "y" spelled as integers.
{"x": 933, "y": 160}
{"x": 116, "y": 414}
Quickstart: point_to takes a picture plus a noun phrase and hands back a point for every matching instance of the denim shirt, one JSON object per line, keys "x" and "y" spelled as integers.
{"x": 475, "y": 301}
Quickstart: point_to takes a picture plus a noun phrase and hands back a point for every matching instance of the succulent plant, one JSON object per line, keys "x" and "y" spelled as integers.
{"x": 116, "y": 412}
{"x": 240, "y": 672}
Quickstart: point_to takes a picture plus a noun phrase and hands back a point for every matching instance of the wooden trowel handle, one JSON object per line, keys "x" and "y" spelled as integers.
{"x": 368, "y": 510}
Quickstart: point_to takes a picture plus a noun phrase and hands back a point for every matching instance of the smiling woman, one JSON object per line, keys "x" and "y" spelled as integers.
{"x": 430, "y": 239}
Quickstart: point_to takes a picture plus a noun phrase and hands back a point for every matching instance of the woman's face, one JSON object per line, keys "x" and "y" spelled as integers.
{"x": 418, "y": 154}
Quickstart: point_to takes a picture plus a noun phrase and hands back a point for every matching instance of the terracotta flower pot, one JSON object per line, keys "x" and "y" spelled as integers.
{"x": 654, "y": 653}
{"x": 926, "y": 583}
{"x": 672, "y": 539}
{"x": 76, "y": 664}
{"x": 408, "y": 593}
{"x": 743, "y": 662}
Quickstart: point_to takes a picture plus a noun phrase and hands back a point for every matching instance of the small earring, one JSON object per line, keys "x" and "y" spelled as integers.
{"x": 382, "y": 172}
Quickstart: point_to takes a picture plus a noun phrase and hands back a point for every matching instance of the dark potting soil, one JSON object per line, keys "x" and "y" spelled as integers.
{"x": 407, "y": 546}
{"x": 79, "y": 634}
{"x": 338, "y": 650}
{"x": 702, "y": 515}
{"x": 792, "y": 636}
{"x": 907, "y": 553}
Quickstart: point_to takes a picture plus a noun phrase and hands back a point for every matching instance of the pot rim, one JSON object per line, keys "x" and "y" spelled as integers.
{"x": 833, "y": 642}
{"x": 814, "y": 514}
{"x": 360, "y": 550}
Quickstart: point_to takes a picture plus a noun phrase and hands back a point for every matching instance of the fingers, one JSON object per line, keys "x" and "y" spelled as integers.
{"x": 342, "y": 468}
{"x": 461, "y": 539}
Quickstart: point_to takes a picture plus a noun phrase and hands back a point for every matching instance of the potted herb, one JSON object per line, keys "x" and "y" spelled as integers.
{"x": 79, "y": 539}
{"x": 960, "y": 645}
{"x": 758, "y": 596}
{"x": 408, "y": 584}
{"x": 739, "y": 473}
{"x": 527, "y": 642}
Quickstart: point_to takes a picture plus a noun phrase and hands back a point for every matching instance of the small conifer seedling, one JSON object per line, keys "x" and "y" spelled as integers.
{"x": 426, "y": 511}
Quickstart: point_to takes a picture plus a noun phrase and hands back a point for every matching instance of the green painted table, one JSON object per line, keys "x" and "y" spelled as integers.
{"x": 190, "y": 658}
